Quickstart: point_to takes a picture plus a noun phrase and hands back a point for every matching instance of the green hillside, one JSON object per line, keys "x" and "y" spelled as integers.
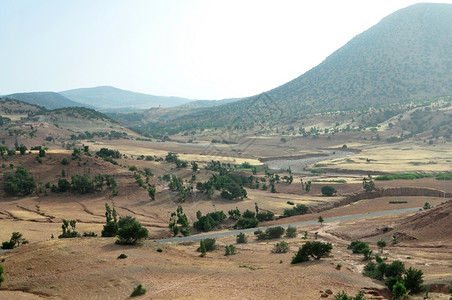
{"x": 406, "y": 57}
{"x": 49, "y": 100}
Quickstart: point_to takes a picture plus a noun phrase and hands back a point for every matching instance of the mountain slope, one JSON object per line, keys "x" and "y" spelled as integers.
{"x": 107, "y": 97}
{"x": 406, "y": 56}
{"x": 49, "y": 100}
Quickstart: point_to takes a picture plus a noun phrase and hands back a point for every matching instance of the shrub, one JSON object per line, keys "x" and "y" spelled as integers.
{"x": 299, "y": 209}
{"x": 399, "y": 290}
{"x": 130, "y": 231}
{"x": 281, "y": 247}
{"x": 68, "y": 233}
{"x": 89, "y": 234}
{"x": 357, "y": 246}
{"x": 159, "y": 250}
{"x": 413, "y": 280}
{"x": 291, "y": 232}
{"x": 230, "y": 250}
{"x": 122, "y": 256}
{"x": 65, "y": 161}
{"x": 241, "y": 238}
{"x": 315, "y": 249}
{"x": 265, "y": 216}
{"x": 328, "y": 190}
{"x": 209, "y": 221}
{"x": 343, "y": 296}
{"x": 138, "y": 291}
{"x": 209, "y": 245}
{"x": 244, "y": 223}
{"x": 271, "y": 233}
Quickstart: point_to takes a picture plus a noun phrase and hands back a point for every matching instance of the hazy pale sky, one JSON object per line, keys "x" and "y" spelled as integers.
{"x": 212, "y": 49}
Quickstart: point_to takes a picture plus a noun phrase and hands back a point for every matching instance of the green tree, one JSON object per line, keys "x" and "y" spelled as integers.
{"x": 399, "y": 290}
{"x": 368, "y": 184}
{"x": 22, "y": 149}
{"x": 68, "y": 233}
{"x": 19, "y": 183}
{"x": 111, "y": 227}
{"x": 381, "y": 244}
{"x": 315, "y": 249}
{"x": 138, "y": 291}
{"x": 230, "y": 250}
{"x": 291, "y": 232}
{"x": 413, "y": 280}
{"x": 179, "y": 222}
{"x": 241, "y": 238}
{"x": 320, "y": 220}
{"x": 194, "y": 166}
{"x": 328, "y": 190}
{"x": 151, "y": 192}
{"x": 130, "y": 231}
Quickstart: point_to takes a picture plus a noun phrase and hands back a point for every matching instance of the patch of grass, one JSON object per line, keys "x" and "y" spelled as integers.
{"x": 397, "y": 201}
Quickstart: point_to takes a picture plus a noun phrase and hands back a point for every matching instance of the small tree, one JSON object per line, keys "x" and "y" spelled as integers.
{"x": 241, "y": 238}
{"x": 179, "y": 222}
{"x": 230, "y": 250}
{"x": 367, "y": 252}
{"x": 281, "y": 247}
{"x": 151, "y": 192}
{"x": 413, "y": 280}
{"x": 320, "y": 220}
{"x": 207, "y": 244}
{"x": 368, "y": 184}
{"x": 426, "y": 206}
{"x": 399, "y": 290}
{"x": 138, "y": 291}
{"x": 111, "y": 227}
{"x": 315, "y": 249}
{"x": 381, "y": 244}
{"x": 68, "y": 233}
{"x": 291, "y": 232}
{"x": 19, "y": 183}
{"x": 328, "y": 190}
{"x": 130, "y": 231}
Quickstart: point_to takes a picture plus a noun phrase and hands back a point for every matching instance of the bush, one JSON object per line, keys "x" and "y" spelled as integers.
{"x": 299, "y": 209}
{"x": 244, "y": 223}
{"x": 291, "y": 232}
{"x": 138, "y": 291}
{"x": 343, "y": 296}
{"x": 241, "y": 238}
{"x": 90, "y": 234}
{"x": 265, "y": 216}
{"x": 65, "y": 161}
{"x": 230, "y": 250}
{"x": 209, "y": 221}
{"x": 271, "y": 233}
{"x": 19, "y": 183}
{"x": 413, "y": 280}
{"x": 209, "y": 245}
{"x": 328, "y": 190}
{"x": 315, "y": 249}
{"x": 281, "y": 247}
{"x": 122, "y": 256}
{"x": 130, "y": 231}
{"x": 357, "y": 246}
{"x": 68, "y": 233}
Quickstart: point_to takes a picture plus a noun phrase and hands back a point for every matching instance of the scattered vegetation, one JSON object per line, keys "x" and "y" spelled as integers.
{"x": 19, "y": 183}
{"x": 241, "y": 238}
{"x": 209, "y": 221}
{"x": 15, "y": 241}
{"x": 299, "y": 209}
{"x": 230, "y": 250}
{"x": 179, "y": 222}
{"x": 270, "y": 233}
{"x": 68, "y": 233}
{"x": 281, "y": 247}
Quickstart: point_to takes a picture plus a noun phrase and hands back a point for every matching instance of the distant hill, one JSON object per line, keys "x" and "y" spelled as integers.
{"x": 107, "y": 97}
{"x": 406, "y": 56}
{"x": 49, "y": 100}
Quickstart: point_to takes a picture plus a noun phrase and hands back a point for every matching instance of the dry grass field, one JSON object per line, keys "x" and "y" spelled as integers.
{"x": 88, "y": 268}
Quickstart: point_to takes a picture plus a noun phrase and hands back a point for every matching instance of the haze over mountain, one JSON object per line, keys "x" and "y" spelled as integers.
{"x": 108, "y": 97}
{"x": 49, "y": 100}
{"x": 406, "y": 56}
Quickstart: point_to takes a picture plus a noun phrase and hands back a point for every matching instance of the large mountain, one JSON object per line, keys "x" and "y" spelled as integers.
{"x": 49, "y": 100}
{"x": 107, "y": 97}
{"x": 406, "y": 56}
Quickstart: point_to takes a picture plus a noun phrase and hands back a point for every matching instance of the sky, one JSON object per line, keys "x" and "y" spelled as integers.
{"x": 197, "y": 49}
